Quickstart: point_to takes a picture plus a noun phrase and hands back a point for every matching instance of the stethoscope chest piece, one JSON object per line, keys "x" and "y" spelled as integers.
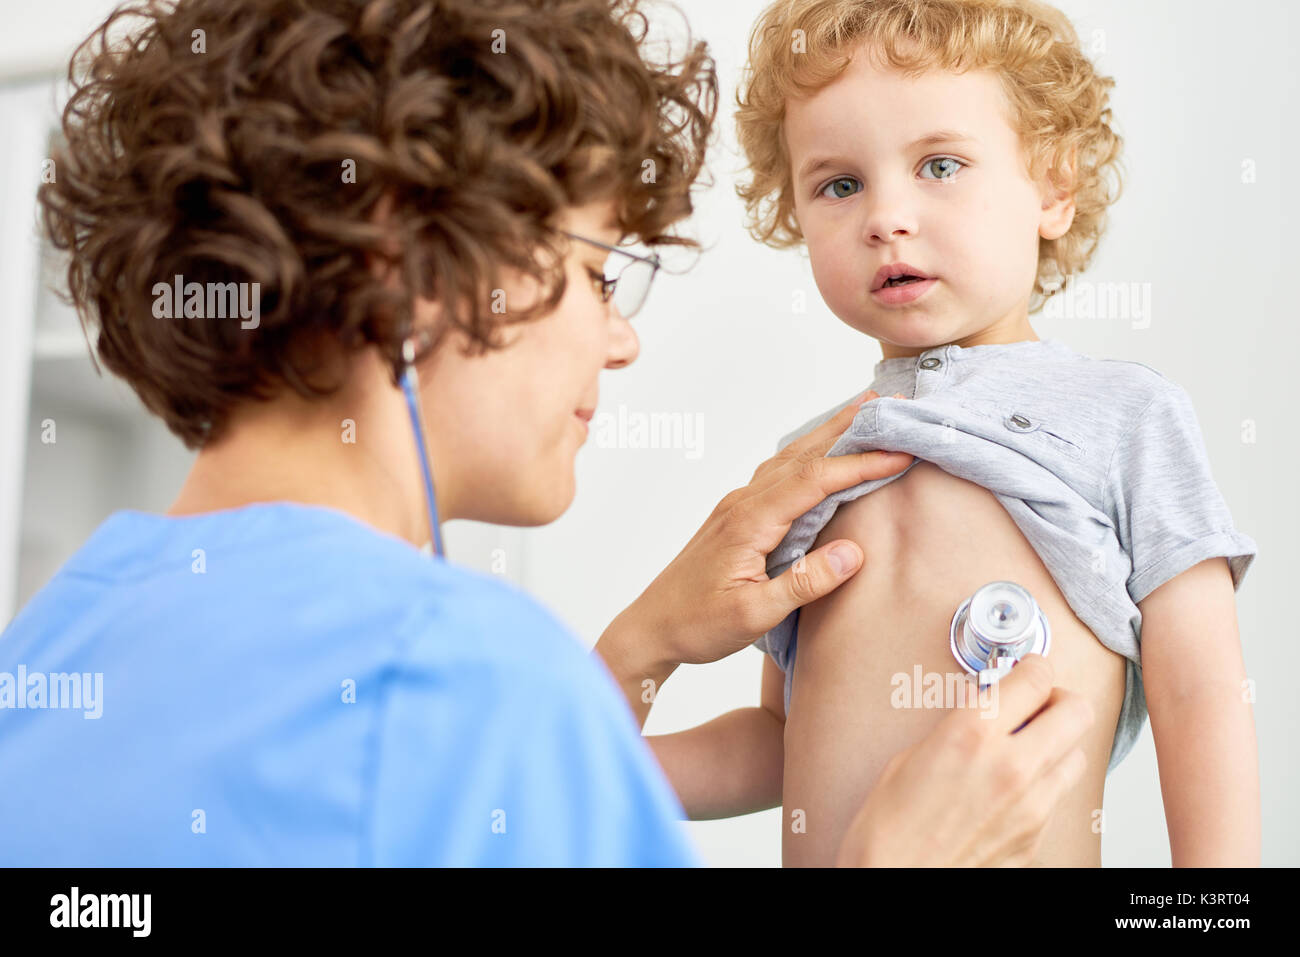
{"x": 995, "y": 628}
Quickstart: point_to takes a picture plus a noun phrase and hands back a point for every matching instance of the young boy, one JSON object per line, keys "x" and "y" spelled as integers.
{"x": 946, "y": 162}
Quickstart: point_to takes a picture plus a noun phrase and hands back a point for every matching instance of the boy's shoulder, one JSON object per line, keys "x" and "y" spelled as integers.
{"x": 1057, "y": 368}
{"x": 1100, "y": 400}
{"x": 1145, "y": 399}
{"x": 1070, "y": 384}
{"x": 1140, "y": 378}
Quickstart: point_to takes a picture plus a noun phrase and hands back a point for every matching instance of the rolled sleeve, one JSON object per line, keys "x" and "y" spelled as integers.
{"x": 1168, "y": 511}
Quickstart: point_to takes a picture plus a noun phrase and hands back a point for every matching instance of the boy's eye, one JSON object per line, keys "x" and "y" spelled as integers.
{"x": 929, "y": 164}
{"x": 833, "y": 188}
{"x": 843, "y": 187}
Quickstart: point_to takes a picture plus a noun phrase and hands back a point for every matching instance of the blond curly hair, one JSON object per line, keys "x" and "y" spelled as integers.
{"x": 1058, "y": 98}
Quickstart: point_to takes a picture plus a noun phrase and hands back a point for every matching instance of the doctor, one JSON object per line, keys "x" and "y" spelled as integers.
{"x": 287, "y": 678}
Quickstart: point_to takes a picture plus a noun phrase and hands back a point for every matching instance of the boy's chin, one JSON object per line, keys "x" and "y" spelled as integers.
{"x": 903, "y": 327}
{"x": 911, "y": 335}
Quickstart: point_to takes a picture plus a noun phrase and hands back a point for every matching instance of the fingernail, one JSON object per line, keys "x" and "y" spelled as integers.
{"x": 841, "y": 559}
{"x": 899, "y": 395}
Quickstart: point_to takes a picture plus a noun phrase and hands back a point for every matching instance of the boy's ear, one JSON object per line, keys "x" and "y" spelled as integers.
{"x": 1058, "y": 204}
{"x": 1058, "y": 216}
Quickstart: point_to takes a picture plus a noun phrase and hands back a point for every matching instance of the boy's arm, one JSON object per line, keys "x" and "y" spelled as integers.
{"x": 734, "y": 763}
{"x": 1202, "y": 719}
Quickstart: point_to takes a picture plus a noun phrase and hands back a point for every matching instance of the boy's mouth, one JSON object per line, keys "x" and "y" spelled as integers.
{"x": 897, "y": 274}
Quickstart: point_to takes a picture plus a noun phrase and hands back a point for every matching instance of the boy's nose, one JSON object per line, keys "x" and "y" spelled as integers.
{"x": 887, "y": 220}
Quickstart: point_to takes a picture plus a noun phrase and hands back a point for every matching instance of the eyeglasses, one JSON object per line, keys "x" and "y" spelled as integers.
{"x": 630, "y": 287}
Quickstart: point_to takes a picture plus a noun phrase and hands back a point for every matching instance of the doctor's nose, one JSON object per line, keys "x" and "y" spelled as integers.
{"x": 624, "y": 346}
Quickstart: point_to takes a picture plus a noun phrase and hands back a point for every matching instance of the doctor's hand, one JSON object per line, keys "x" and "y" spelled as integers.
{"x": 715, "y": 597}
{"x": 977, "y": 792}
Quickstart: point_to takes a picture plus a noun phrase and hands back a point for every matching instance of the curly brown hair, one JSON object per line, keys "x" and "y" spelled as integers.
{"x": 211, "y": 144}
{"x": 1059, "y": 99}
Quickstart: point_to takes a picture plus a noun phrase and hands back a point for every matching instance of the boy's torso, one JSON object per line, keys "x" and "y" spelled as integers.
{"x": 931, "y": 538}
{"x": 873, "y": 658}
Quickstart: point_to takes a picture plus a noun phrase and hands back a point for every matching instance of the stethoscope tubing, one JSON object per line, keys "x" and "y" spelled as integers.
{"x": 411, "y": 389}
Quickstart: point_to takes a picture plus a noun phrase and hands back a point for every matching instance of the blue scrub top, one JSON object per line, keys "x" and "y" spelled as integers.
{"x": 281, "y": 684}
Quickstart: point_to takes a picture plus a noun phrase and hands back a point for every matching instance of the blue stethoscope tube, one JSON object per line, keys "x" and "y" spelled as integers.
{"x": 410, "y": 383}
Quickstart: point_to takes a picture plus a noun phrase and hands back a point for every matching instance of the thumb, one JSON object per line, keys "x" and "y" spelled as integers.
{"x": 816, "y": 574}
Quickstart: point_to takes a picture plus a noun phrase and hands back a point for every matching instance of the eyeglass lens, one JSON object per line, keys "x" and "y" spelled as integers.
{"x": 633, "y": 285}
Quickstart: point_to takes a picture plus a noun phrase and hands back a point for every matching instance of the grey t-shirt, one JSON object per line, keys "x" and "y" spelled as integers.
{"x": 1100, "y": 462}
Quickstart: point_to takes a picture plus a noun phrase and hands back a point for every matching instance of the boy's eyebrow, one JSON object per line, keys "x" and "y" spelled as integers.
{"x": 815, "y": 164}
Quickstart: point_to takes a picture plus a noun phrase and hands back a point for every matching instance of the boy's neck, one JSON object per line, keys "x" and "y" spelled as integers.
{"x": 998, "y": 334}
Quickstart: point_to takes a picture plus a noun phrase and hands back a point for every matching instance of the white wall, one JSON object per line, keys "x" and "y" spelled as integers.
{"x": 39, "y": 37}
{"x": 1198, "y": 94}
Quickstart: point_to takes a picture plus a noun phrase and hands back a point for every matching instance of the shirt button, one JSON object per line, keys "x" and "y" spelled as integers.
{"x": 1021, "y": 422}
{"x": 931, "y": 363}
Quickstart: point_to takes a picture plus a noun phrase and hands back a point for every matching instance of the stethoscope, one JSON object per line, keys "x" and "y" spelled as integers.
{"x": 410, "y": 384}
{"x": 995, "y": 628}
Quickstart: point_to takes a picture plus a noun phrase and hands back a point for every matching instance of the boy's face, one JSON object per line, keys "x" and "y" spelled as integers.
{"x": 963, "y": 212}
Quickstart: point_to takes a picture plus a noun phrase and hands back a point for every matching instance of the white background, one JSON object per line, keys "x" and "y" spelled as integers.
{"x": 1198, "y": 95}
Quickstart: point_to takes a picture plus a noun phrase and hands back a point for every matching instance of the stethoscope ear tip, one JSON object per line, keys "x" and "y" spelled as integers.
{"x": 414, "y": 345}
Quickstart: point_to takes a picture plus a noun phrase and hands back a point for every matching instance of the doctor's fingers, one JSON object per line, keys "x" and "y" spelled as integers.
{"x": 1052, "y": 733}
{"x": 1038, "y": 804}
{"x": 811, "y": 447}
{"x": 814, "y": 445}
{"x": 1021, "y": 776}
{"x": 1009, "y": 703}
{"x": 1008, "y": 785}
{"x": 1008, "y": 832}
{"x": 802, "y": 485}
